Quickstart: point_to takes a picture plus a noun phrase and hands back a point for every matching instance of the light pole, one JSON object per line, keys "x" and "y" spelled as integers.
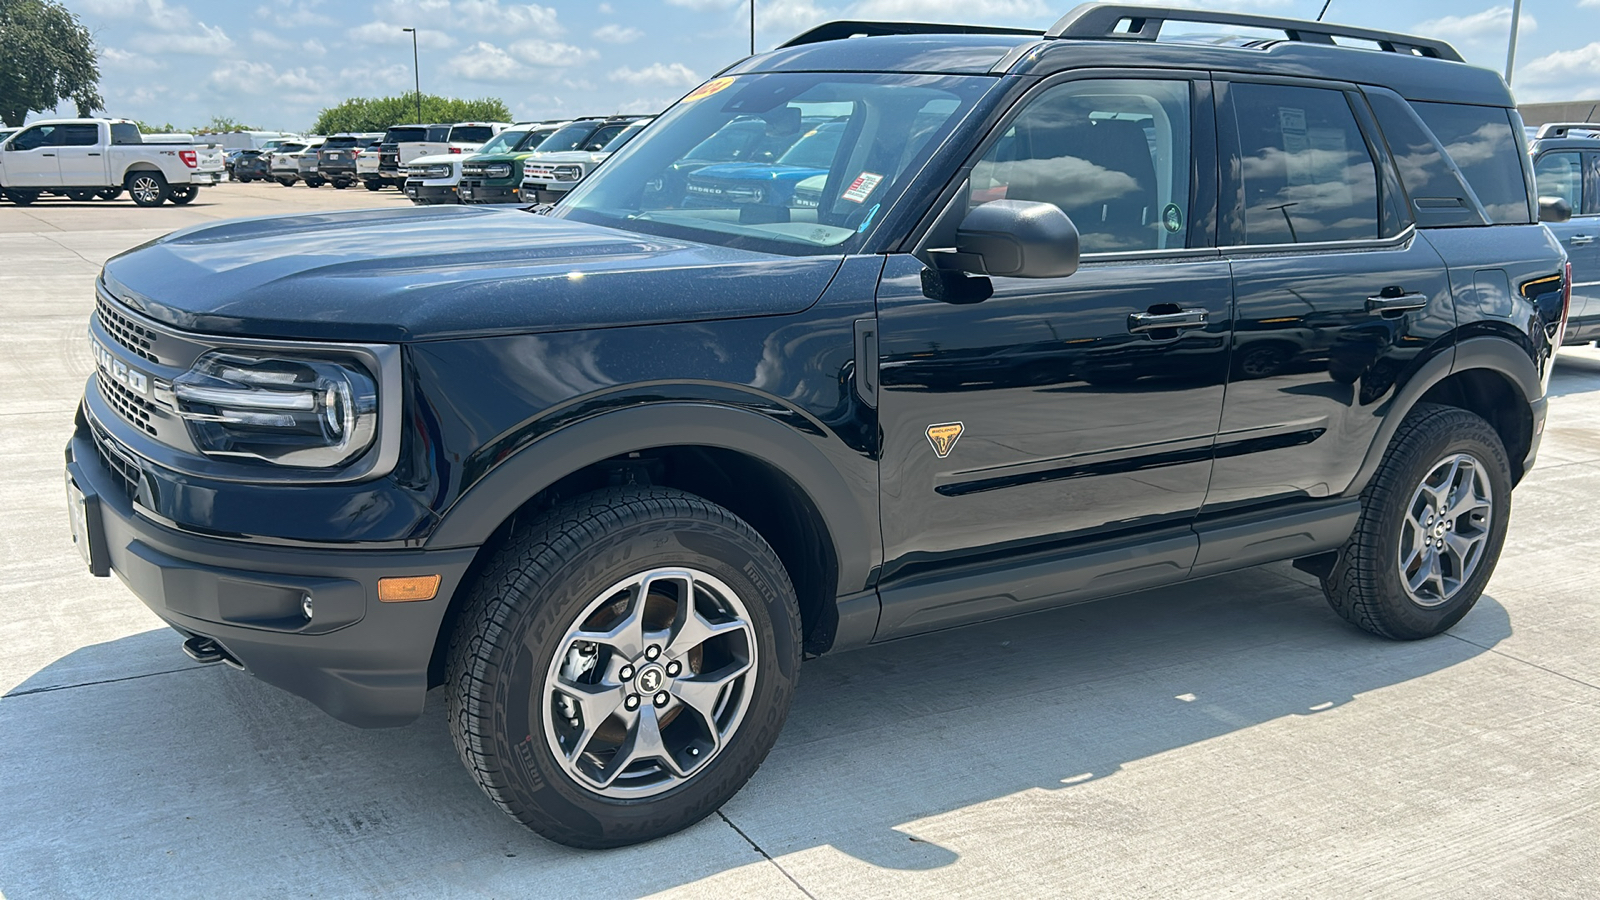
{"x": 1511, "y": 47}
{"x": 752, "y": 27}
{"x": 417, "y": 72}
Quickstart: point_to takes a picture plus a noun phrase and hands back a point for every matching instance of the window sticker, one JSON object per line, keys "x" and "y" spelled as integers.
{"x": 862, "y": 188}
{"x": 1172, "y": 218}
{"x": 705, "y": 90}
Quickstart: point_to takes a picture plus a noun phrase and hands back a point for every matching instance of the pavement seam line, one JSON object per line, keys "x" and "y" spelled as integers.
{"x": 64, "y": 687}
{"x": 86, "y": 259}
{"x": 765, "y": 855}
{"x": 1525, "y": 662}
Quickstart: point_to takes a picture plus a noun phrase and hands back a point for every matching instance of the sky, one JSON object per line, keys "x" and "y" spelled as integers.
{"x": 275, "y": 64}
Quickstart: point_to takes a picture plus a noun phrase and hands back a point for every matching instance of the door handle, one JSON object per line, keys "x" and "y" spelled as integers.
{"x": 1393, "y": 300}
{"x": 1578, "y": 240}
{"x": 867, "y": 362}
{"x": 47, "y": 154}
{"x": 1140, "y": 323}
{"x": 92, "y": 154}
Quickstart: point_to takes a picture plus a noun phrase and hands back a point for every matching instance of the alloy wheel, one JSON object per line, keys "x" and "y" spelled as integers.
{"x": 1446, "y": 529}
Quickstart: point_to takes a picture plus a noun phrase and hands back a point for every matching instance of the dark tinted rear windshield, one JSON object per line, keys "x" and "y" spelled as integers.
{"x": 1488, "y": 152}
{"x": 407, "y": 134}
{"x": 340, "y": 143}
{"x": 471, "y": 134}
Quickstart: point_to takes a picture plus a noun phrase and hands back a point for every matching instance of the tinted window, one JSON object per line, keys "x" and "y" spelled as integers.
{"x": 471, "y": 134}
{"x": 1113, "y": 155}
{"x": 602, "y": 137}
{"x": 1561, "y": 175}
{"x": 34, "y": 138}
{"x": 78, "y": 135}
{"x": 624, "y": 136}
{"x": 571, "y": 137}
{"x": 1480, "y": 140}
{"x": 340, "y": 143}
{"x": 535, "y": 139}
{"x": 1305, "y": 169}
{"x": 406, "y": 135}
{"x": 438, "y": 133}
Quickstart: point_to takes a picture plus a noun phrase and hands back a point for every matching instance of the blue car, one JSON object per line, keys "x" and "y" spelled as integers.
{"x": 767, "y": 184}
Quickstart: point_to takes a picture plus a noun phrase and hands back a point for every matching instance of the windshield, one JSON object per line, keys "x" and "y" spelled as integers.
{"x": 471, "y": 134}
{"x": 570, "y": 137}
{"x": 502, "y": 142}
{"x": 536, "y": 138}
{"x": 793, "y": 162}
{"x": 625, "y": 135}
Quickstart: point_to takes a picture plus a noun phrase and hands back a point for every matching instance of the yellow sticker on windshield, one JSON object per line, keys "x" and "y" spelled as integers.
{"x": 707, "y": 89}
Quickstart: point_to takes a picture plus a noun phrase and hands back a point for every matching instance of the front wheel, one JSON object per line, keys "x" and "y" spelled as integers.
{"x": 147, "y": 188}
{"x": 373, "y": 184}
{"x": 1433, "y": 521}
{"x": 182, "y": 194}
{"x": 623, "y": 666}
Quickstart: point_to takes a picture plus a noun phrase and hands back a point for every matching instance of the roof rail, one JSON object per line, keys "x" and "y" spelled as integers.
{"x": 838, "y": 31}
{"x": 1560, "y": 129}
{"x": 1143, "y": 23}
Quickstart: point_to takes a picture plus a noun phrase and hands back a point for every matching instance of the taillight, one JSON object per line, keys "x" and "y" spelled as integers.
{"x": 1566, "y": 295}
{"x": 189, "y": 158}
{"x": 455, "y": 149}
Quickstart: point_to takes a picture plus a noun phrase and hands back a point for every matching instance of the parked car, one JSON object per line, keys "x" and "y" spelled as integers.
{"x": 549, "y": 176}
{"x": 437, "y": 179}
{"x": 1562, "y": 154}
{"x": 608, "y": 475}
{"x": 367, "y": 164}
{"x": 306, "y": 163}
{"x": 285, "y": 165}
{"x": 772, "y": 184}
{"x": 498, "y": 178}
{"x": 336, "y": 158}
{"x": 252, "y": 165}
{"x": 403, "y": 143}
{"x": 84, "y": 158}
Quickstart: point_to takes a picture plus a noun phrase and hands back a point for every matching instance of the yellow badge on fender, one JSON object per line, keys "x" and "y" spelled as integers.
{"x": 707, "y": 89}
{"x": 944, "y": 437}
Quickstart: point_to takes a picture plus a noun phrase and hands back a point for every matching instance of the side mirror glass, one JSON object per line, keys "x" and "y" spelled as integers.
{"x": 1554, "y": 209}
{"x": 1018, "y": 239}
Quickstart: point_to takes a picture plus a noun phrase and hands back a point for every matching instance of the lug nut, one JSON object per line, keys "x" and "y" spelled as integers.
{"x": 653, "y": 652}
{"x": 632, "y": 702}
{"x": 626, "y": 673}
{"x": 694, "y": 751}
{"x": 662, "y": 698}
{"x": 673, "y": 668}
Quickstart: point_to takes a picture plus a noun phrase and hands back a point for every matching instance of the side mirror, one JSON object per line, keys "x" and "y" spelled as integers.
{"x": 1554, "y": 209}
{"x": 1019, "y": 239}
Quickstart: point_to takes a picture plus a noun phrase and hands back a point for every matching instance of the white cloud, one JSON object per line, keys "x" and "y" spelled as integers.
{"x": 512, "y": 18}
{"x": 366, "y": 80}
{"x": 1562, "y": 75}
{"x": 1486, "y": 27}
{"x": 618, "y": 34}
{"x": 314, "y": 48}
{"x": 389, "y": 33}
{"x": 287, "y": 14}
{"x": 150, "y": 13}
{"x": 659, "y": 73}
{"x": 550, "y": 53}
{"x": 789, "y": 17}
{"x": 209, "y": 40}
{"x": 486, "y": 62}
{"x": 115, "y": 60}
{"x": 245, "y": 77}
{"x": 605, "y": 8}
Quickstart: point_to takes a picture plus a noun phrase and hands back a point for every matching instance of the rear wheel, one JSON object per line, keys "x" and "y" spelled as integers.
{"x": 147, "y": 188}
{"x": 623, "y": 666}
{"x": 314, "y": 182}
{"x": 182, "y": 194}
{"x": 373, "y": 184}
{"x": 1433, "y": 521}
{"x": 341, "y": 184}
{"x": 287, "y": 182}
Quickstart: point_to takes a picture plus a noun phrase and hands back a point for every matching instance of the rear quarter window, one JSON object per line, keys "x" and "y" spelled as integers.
{"x": 1488, "y": 152}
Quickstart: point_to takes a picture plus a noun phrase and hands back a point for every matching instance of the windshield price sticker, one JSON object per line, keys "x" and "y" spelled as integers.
{"x": 707, "y": 89}
{"x": 862, "y": 187}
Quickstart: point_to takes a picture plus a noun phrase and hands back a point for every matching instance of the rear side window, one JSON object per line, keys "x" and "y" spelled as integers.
{"x": 1112, "y": 154}
{"x": 125, "y": 133}
{"x": 1561, "y": 175}
{"x": 1306, "y": 172}
{"x": 1480, "y": 140}
{"x": 78, "y": 135}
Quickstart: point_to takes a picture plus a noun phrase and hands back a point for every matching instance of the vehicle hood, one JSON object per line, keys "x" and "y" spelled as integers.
{"x": 438, "y": 158}
{"x": 569, "y": 156}
{"x": 433, "y": 272}
{"x": 756, "y": 172}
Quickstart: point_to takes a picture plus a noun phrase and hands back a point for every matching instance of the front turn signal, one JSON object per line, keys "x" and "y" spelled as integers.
{"x": 408, "y": 588}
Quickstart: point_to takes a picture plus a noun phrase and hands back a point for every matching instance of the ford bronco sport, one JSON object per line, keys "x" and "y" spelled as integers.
{"x": 607, "y": 475}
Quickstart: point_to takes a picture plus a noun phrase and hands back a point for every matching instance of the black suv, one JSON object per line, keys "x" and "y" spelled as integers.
{"x": 336, "y": 158}
{"x": 1059, "y": 316}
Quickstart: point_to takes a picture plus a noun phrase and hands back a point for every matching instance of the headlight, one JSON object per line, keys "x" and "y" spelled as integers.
{"x": 568, "y": 173}
{"x": 288, "y": 411}
{"x": 497, "y": 170}
{"x": 441, "y": 170}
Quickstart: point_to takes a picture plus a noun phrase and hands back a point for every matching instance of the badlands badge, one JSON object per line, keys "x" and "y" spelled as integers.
{"x": 944, "y": 437}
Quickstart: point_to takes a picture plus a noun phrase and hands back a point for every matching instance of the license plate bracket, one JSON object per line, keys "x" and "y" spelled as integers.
{"x": 88, "y": 531}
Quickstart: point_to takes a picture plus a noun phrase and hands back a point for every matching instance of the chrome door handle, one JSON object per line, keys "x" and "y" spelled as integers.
{"x": 1140, "y": 323}
{"x": 1395, "y": 301}
{"x": 1578, "y": 240}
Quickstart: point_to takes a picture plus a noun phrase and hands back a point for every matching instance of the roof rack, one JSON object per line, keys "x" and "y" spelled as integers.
{"x": 1143, "y": 23}
{"x": 1560, "y": 129}
{"x": 838, "y": 31}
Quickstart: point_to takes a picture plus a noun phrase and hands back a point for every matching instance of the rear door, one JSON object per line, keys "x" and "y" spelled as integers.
{"x": 1337, "y": 295}
{"x": 1567, "y": 173}
{"x": 81, "y": 155}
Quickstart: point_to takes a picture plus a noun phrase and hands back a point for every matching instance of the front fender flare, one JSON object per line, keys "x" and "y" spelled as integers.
{"x": 472, "y": 519}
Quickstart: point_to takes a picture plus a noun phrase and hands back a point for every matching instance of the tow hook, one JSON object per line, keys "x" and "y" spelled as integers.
{"x": 206, "y": 651}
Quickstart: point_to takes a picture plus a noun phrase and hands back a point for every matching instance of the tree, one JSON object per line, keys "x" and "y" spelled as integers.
{"x": 223, "y": 125}
{"x": 379, "y": 113}
{"x": 47, "y": 56}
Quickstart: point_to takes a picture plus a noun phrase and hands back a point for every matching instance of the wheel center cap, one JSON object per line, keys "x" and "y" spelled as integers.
{"x": 651, "y": 678}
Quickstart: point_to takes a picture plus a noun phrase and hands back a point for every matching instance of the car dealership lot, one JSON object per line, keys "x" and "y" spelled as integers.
{"x": 1231, "y": 736}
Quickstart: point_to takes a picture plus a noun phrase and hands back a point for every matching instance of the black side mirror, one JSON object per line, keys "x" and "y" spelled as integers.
{"x": 1019, "y": 239}
{"x": 1554, "y": 209}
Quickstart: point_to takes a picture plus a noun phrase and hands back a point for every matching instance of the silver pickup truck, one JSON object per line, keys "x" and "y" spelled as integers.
{"x": 84, "y": 158}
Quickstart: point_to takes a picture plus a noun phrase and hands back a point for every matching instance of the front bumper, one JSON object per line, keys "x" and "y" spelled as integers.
{"x": 422, "y": 192}
{"x": 484, "y": 192}
{"x": 360, "y": 660}
{"x": 543, "y": 193}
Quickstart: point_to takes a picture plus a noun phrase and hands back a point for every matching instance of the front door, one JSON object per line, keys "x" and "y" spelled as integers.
{"x": 30, "y": 158}
{"x": 1059, "y": 411}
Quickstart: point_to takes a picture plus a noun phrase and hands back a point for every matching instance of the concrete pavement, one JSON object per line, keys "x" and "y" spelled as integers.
{"x": 1228, "y": 737}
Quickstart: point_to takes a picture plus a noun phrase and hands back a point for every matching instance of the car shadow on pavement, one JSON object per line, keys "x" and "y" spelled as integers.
{"x": 129, "y": 773}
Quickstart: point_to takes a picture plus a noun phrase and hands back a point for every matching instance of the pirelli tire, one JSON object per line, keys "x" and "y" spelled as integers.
{"x": 1433, "y": 523}
{"x": 565, "y": 749}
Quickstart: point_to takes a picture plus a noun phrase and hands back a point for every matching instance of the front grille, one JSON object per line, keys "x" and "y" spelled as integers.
{"x": 470, "y": 169}
{"x": 116, "y": 462}
{"x": 132, "y": 407}
{"x": 130, "y": 334}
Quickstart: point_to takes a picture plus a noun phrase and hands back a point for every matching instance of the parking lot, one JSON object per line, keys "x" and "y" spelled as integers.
{"x": 1230, "y": 737}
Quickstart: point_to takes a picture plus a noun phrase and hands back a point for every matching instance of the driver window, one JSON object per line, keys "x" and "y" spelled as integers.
{"x": 1112, "y": 154}
{"x": 33, "y": 138}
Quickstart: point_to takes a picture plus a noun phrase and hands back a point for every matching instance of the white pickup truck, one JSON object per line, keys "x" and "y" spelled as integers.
{"x": 404, "y": 143}
{"x": 83, "y": 158}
